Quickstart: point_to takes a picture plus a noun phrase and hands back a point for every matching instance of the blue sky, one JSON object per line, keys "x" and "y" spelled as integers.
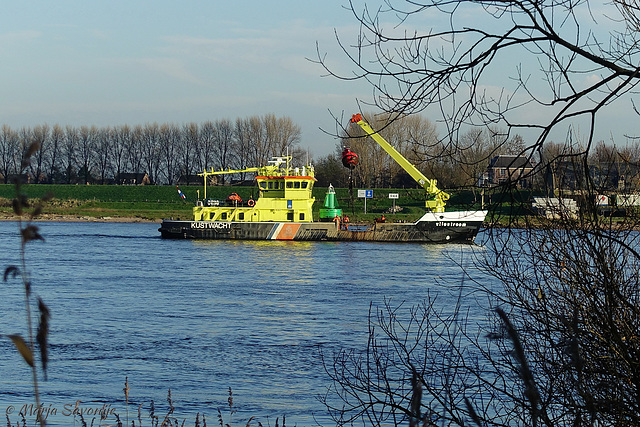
{"x": 138, "y": 61}
{"x": 132, "y": 62}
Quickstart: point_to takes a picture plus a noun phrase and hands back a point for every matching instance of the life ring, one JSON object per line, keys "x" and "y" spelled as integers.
{"x": 251, "y": 203}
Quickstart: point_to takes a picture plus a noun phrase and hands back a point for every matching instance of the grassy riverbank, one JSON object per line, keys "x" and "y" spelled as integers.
{"x": 155, "y": 202}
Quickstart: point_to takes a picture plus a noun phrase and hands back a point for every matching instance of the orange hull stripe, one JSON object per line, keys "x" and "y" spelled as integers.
{"x": 288, "y": 231}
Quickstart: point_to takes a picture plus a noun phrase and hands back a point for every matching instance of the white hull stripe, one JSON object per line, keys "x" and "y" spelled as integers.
{"x": 275, "y": 231}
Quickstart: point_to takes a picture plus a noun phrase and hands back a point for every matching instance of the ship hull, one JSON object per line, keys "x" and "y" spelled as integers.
{"x": 431, "y": 228}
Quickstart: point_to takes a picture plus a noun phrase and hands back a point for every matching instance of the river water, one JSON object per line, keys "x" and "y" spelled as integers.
{"x": 200, "y": 318}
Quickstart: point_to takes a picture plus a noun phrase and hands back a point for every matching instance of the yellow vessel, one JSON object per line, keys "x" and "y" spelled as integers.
{"x": 283, "y": 210}
{"x": 285, "y": 194}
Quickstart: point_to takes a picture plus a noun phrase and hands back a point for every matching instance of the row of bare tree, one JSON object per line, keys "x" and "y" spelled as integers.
{"x": 164, "y": 151}
{"x": 461, "y": 164}
{"x": 561, "y": 343}
{"x": 416, "y": 138}
{"x": 167, "y": 151}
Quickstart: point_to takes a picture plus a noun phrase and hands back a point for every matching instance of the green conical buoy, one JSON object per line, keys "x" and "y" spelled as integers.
{"x": 330, "y": 209}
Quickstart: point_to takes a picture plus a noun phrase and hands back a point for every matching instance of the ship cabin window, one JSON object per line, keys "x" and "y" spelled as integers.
{"x": 241, "y": 216}
{"x": 263, "y": 185}
{"x": 290, "y": 216}
{"x": 289, "y": 184}
{"x": 276, "y": 185}
{"x": 296, "y": 184}
{"x": 302, "y": 216}
{"x": 223, "y": 215}
{"x": 304, "y": 184}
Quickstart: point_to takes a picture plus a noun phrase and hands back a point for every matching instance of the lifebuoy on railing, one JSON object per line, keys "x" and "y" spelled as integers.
{"x": 251, "y": 203}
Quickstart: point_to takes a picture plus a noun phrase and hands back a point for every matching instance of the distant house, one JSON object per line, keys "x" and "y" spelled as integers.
{"x": 506, "y": 168}
{"x": 13, "y": 178}
{"x": 132, "y": 179}
{"x": 615, "y": 176}
{"x": 242, "y": 182}
{"x": 196, "y": 180}
{"x": 606, "y": 176}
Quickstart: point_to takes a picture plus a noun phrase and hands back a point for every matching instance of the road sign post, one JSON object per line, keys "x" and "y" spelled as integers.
{"x": 393, "y": 197}
{"x": 365, "y": 194}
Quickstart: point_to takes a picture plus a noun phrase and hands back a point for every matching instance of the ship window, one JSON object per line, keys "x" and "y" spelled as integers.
{"x": 296, "y": 184}
{"x": 270, "y": 185}
{"x": 223, "y": 215}
{"x": 241, "y": 216}
{"x": 263, "y": 185}
{"x": 304, "y": 184}
{"x": 290, "y": 216}
{"x": 301, "y": 216}
{"x": 289, "y": 184}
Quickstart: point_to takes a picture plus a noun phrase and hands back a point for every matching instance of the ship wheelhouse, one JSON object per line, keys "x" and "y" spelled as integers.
{"x": 285, "y": 195}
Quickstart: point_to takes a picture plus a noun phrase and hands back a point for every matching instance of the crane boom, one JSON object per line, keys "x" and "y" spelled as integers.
{"x": 430, "y": 185}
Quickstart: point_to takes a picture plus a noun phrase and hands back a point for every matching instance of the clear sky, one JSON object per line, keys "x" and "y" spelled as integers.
{"x": 78, "y": 62}
{"x": 103, "y": 63}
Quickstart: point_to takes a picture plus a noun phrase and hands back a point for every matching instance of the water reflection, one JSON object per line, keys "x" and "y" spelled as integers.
{"x": 202, "y": 316}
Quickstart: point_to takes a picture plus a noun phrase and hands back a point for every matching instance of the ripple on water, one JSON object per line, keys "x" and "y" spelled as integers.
{"x": 200, "y": 317}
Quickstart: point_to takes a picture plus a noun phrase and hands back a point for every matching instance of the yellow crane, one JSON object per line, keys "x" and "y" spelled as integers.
{"x": 440, "y": 198}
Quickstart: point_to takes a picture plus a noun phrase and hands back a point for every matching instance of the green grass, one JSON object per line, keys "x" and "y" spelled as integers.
{"x": 143, "y": 202}
{"x": 155, "y": 202}
{"x": 103, "y": 193}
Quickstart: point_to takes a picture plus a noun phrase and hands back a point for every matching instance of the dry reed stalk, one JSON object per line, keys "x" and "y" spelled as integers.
{"x": 29, "y": 233}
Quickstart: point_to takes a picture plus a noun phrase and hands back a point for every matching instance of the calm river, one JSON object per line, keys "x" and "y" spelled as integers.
{"x": 199, "y": 318}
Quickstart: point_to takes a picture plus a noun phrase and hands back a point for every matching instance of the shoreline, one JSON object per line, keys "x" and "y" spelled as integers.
{"x": 79, "y": 218}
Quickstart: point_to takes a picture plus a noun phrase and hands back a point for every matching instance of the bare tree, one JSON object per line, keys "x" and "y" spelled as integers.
{"x": 103, "y": 152}
{"x": 87, "y": 152}
{"x": 165, "y": 151}
{"x": 169, "y": 143}
{"x": 9, "y": 153}
{"x": 55, "y": 143}
{"x": 39, "y": 135}
{"x": 241, "y": 144}
{"x": 418, "y": 369}
{"x": 259, "y": 151}
{"x": 151, "y": 150}
{"x": 575, "y": 302}
{"x": 189, "y": 147}
{"x": 69, "y": 150}
{"x": 467, "y": 160}
{"x": 330, "y": 171}
{"x": 25, "y": 138}
{"x": 120, "y": 141}
{"x": 282, "y": 135}
{"x": 480, "y": 45}
{"x": 561, "y": 346}
{"x": 223, "y": 144}
{"x": 206, "y": 146}
{"x": 134, "y": 150}
{"x": 414, "y": 137}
